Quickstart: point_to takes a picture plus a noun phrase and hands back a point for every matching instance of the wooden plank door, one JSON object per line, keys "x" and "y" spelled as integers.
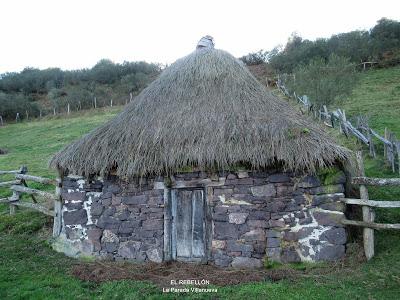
{"x": 188, "y": 225}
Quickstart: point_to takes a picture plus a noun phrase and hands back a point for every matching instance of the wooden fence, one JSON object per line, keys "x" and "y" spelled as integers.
{"x": 367, "y": 205}
{"x": 20, "y": 187}
{"x": 361, "y": 130}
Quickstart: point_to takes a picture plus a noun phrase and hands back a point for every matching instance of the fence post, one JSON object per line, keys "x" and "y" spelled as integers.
{"x": 68, "y": 109}
{"x": 368, "y": 212}
{"x": 1, "y": 121}
{"x": 13, "y": 198}
{"x": 57, "y": 209}
{"x": 385, "y": 148}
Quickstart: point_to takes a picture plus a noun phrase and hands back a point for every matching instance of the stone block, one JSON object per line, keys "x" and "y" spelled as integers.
{"x": 223, "y": 191}
{"x": 94, "y": 234}
{"x": 277, "y": 223}
{"x": 336, "y": 236}
{"x": 109, "y": 237}
{"x": 75, "y": 217}
{"x": 218, "y": 244}
{"x": 134, "y": 200}
{"x": 290, "y": 256}
{"x": 246, "y": 262}
{"x": 320, "y": 199}
{"x": 242, "y": 174}
{"x": 155, "y": 255}
{"x": 334, "y": 206}
{"x": 309, "y": 182}
{"x": 223, "y": 230}
{"x": 74, "y": 196}
{"x": 223, "y": 217}
{"x": 238, "y": 218}
{"x": 273, "y": 242}
{"x": 254, "y": 235}
{"x": 233, "y": 246}
{"x": 273, "y": 254}
{"x": 96, "y": 209}
{"x": 153, "y": 224}
{"x": 328, "y": 219}
{"x": 280, "y": 177}
{"x": 273, "y": 233}
{"x": 111, "y": 247}
{"x": 258, "y": 223}
{"x": 129, "y": 249}
{"x": 259, "y": 215}
{"x": 259, "y": 247}
{"x": 330, "y": 252}
{"x": 267, "y": 190}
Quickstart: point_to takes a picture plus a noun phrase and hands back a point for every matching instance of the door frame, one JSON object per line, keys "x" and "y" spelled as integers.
{"x": 169, "y": 249}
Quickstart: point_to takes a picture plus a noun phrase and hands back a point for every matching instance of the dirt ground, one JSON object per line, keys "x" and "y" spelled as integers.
{"x": 162, "y": 274}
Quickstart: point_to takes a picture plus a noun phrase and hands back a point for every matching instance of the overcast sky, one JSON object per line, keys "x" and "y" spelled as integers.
{"x": 73, "y": 34}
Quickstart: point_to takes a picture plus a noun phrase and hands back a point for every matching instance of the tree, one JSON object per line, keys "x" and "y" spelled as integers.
{"x": 325, "y": 82}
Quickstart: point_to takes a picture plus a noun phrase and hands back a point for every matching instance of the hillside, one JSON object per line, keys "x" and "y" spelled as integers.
{"x": 30, "y": 269}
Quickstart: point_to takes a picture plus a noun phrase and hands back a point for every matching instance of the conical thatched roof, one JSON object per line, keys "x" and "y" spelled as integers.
{"x": 205, "y": 110}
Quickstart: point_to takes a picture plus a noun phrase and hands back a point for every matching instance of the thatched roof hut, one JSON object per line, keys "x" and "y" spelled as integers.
{"x": 248, "y": 188}
{"x": 205, "y": 110}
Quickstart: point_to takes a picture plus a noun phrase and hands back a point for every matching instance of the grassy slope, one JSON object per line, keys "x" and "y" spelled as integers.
{"x": 29, "y": 269}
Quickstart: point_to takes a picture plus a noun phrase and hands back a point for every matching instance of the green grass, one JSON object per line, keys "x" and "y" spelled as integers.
{"x": 29, "y": 269}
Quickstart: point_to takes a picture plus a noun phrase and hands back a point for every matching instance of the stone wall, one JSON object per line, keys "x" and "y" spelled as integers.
{"x": 255, "y": 216}
{"x": 112, "y": 219}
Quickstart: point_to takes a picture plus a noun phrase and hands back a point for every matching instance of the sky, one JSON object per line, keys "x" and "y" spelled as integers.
{"x": 72, "y": 34}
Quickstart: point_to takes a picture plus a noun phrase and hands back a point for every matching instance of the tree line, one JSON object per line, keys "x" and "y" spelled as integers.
{"x": 326, "y": 69}
{"x": 35, "y": 92}
{"x": 380, "y": 44}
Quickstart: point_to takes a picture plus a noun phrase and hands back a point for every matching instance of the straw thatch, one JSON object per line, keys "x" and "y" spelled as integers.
{"x": 205, "y": 110}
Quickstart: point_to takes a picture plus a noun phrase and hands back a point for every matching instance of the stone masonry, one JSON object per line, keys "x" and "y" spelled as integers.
{"x": 255, "y": 216}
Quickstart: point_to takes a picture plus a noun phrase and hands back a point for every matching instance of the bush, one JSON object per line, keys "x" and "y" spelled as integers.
{"x": 324, "y": 82}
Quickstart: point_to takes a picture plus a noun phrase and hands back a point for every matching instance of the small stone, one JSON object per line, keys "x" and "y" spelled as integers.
{"x": 155, "y": 255}
{"x": 220, "y": 217}
{"x": 246, "y": 262}
{"x": 237, "y": 218}
{"x": 218, "y": 244}
{"x": 116, "y": 200}
{"x": 267, "y": 190}
{"x": 305, "y": 221}
{"x": 109, "y": 237}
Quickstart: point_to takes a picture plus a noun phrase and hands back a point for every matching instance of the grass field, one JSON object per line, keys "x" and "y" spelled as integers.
{"x": 29, "y": 269}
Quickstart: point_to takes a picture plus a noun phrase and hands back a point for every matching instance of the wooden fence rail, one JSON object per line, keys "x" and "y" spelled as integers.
{"x": 20, "y": 187}
{"x": 361, "y": 131}
{"x": 368, "y": 205}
